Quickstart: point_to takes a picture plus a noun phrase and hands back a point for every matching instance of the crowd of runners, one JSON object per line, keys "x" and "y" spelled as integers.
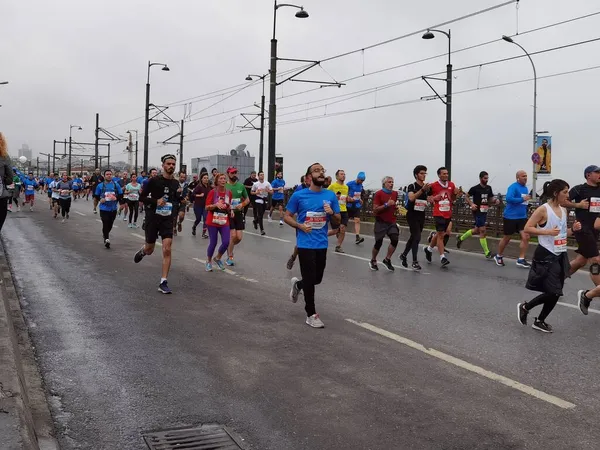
{"x": 321, "y": 207}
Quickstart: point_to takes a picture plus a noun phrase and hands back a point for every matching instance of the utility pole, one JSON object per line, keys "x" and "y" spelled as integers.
{"x": 136, "y": 153}
{"x": 181, "y": 147}
{"x": 38, "y": 165}
{"x": 69, "y": 161}
{"x": 97, "y": 138}
{"x": 54, "y": 156}
{"x": 108, "y": 163}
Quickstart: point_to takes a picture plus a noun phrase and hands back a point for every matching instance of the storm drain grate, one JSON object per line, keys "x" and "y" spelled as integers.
{"x": 206, "y": 437}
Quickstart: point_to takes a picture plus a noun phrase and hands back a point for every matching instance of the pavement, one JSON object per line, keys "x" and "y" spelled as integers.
{"x": 425, "y": 360}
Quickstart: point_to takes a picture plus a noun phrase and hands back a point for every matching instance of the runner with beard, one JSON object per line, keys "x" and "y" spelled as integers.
{"x": 109, "y": 194}
{"x": 384, "y": 208}
{"x": 354, "y": 203}
{"x": 182, "y": 195}
{"x": 237, "y": 222}
{"x": 159, "y": 195}
{"x": 277, "y": 198}
{"x": 316, "y": 207}
{"x": 95, "y": 180}
{"x": 305, "y": 182}
{"x": 443, "y": 193}
{"x": 482, "y": 197}
{"x": 248, "y": 183}
{"x": 415, "y": 215}
{"x": 341, "y": 192}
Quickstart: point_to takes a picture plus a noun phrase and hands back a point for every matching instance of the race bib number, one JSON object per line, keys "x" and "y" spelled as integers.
{"x": 595, "y": 205}
{"x": 235, "y": 202}
{"x": 134, "y": 196}
{"x": 64, "y": 192}
{"x": 110, "y": 196}
{"x": 525, "y": 202}
{"x": 315, "y": 220}
{"x": 444, "y": 205}
{"x": 420, "y": 205}
{"x": 260, "y": 200}
{"x": 560, "y": 244}
{"x": 219, "y": 218}
{"x": 356, "y": 196}
{"x": 484, "y": 208}
{"x": 342, "y": 200}
{"x": 75, "y": 185}
{"x": 165, "y": 210}
{"x": 29, "y": 188}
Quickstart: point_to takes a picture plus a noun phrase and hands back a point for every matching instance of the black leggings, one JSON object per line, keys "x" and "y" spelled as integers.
{"x": 416, "y": 223}
{"x": 3, "y": 210}
{"x": 548, "y": 300}
{"x": 134, "y": 209}
{"x": 312, "y": 267}
{"x": 65, "y": 206}
{"x": 259, "y": 213}
{"x": 108, "y": 219}
{"x": 14, "y": 199}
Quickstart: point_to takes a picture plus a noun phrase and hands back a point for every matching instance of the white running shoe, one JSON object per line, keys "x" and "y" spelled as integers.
{"x": 314, "y": 321}
{"x": 294, "y": 291}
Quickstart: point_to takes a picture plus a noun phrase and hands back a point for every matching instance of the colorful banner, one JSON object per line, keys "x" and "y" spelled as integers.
{"x": 543, "y": 160}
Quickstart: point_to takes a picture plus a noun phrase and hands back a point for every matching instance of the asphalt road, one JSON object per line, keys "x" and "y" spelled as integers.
{"x": 406, "y": 361}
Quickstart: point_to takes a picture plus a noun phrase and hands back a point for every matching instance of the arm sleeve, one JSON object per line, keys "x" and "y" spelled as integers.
{"x": 513, "y": 196}
{"x": 292, "y": 205}
{"x": 97, "y": 191}
{"x": 144, "y": 195}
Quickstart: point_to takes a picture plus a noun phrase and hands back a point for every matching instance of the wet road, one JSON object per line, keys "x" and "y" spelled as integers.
{"x": 407, "y": 360}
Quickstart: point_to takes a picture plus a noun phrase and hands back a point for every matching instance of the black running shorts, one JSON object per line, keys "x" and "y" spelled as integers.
{"x": 158, "y": 226}
{"x": 587, "y": 242}
{"x": 237, "y": 222}
{"x": 513, "y": 226}
{"x": 441, "y": 223}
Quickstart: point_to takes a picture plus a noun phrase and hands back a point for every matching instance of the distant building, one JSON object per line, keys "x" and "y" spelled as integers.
{"x": 26, "y": 152}
{"x": 239, "y": 158}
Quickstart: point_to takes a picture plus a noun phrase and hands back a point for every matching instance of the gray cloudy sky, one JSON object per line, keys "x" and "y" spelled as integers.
{"x": 68, "y": 59}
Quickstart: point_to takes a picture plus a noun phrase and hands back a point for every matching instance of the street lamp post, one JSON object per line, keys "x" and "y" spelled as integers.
{"x": 136, "y": 147}
{"x": 70, "y": 145}
{"x": 448, "y": 147}
{"x": 301, "y": 14}
{"x": 147, "y": 120}
{"x": 534, "y": 175}
{"x": 262, "y": 120}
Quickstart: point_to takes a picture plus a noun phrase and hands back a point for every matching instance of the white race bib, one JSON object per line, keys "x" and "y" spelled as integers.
{"x": 595, "y": 205}
{"x": 525, "y": 202}
{"x": 235, "y": 202}
{"x": 134, "y": 196}
{"x": 164, "y": 210}
{"x": 315, "y": 220}
{"x": 342, "y": 200}
{"x": 110, "y": 196}
{"x": 64, "y": 192}
{"x": 219, "y": 218}
{"x": 356, "y": 196}
{"x": 560, "y": 244}
{"x": 420, "y": 205}
{"x": 484, "y": 208}
{"x": 444, "y": 205}
{"x": 75, "y": 184}
{"x": 260, "y": 200}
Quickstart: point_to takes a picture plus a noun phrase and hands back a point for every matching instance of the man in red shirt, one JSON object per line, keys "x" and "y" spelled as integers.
{"x": 384, "y": 208}
{"x": 443, "y": 193}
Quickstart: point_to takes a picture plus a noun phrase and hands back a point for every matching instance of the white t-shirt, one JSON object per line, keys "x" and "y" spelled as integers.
{"x": 55, "y": 191}
{"x": 261, "y": 190}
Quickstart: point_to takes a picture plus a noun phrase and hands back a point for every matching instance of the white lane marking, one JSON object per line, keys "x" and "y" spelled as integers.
{"x": 468, "y": 366}
{"x": 268, "y": 237}
{"x": 230, "y": 272}
{"x": 144, "y": 238}
{"x": 367, "y": 259}
{"x": 568, "y": 305}
{"x": 77, "y": 212}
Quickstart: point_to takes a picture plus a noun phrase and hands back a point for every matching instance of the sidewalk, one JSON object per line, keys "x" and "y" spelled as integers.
{"x": 25, "y": 421}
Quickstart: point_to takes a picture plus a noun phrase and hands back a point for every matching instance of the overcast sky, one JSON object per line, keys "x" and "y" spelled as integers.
{"x": 68, "y": 60}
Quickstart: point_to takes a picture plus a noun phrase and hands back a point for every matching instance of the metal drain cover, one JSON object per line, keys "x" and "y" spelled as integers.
{"x": 206, "y": 437}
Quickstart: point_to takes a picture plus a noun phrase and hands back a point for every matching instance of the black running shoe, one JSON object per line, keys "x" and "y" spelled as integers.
{"x": 262, "y": 233}
{"x": 163, "y": 288}
{"x": 290, "y": 263}
{"x": 193, "y": 231}
{"x": 444, "y": 261}
{"x": 583, "y": 302}
{"x": 430, "y": 237}
{"x": 107, "y": 243}
{"x": 427, "y": 254}
{"x": 522, "y": 313}
{"x": 416, "y": 266}
{"x": 373, "y": 265}
{"x": 541, "y": 326}
{"x": 458, "y": 242}
{"x": 388, "y": 264}
{"x": 403, "y": 260}
{"x": 359, "y": 240}
{"x": 139, "y": 255}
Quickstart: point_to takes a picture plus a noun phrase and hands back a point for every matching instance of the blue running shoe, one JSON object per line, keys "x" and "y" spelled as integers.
{"x": 229, "y": 262}
{"x": 208, "y": 267}
{"x": 163, "y": 288}
{"x": 220, "y": 264}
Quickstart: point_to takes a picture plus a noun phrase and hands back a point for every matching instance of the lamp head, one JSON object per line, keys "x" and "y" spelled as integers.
{"x": 248, "y": 78}
{"x": 79, "y": 128}
{"x": 508, "y": 39}
{"x": 166, "y": 68}
{"x": 428, "y": 35}
{"x": 301, "y": 14}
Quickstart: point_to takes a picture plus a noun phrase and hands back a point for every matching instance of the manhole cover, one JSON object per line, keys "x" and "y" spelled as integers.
{"x": 206, "y": 437}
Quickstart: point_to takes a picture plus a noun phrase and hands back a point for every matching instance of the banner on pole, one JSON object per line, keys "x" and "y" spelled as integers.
{"x": 543, "y": 155}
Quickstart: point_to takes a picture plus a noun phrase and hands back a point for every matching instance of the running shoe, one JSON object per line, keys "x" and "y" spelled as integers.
{"x": 403, "y": 260}
{"x": 373, "y": 265}
{"x": 499, "y": 260}
{"x": 139, "y": 255}
{"x": 430, "y": 237}
{"x": 489, "y": 255}
{"x": 262, "y": 233}
{"x": 208, "y": 267}
{"x": 204, "y": 236}
{"x": 63, "y": 221}
{"x": 583, "y": 301}
{"x": 339, "y": 249}
{"x": 135, "y": 225}
{"x": 95, "y": 212}
{"x": 388, "y": 264}
{"x": 359, "y": 240}
{"x": 130, "y": 225}
{"x": 119, "y": 213}
{"x": 314, "y": 321}
{"x": 444, "y": 261}
{"x": 427, "y": 254}
{"x": 281, "y": 223}
{"x": 522, "y": 262}
{"x": 416, "y": 266}
{"x": 219, "y": 264}
{"x": 458, "y": 242}
{"x": 106, "y": 241}
{"x": 229, "y": 262}
{"x": 125, "y": 218}
{"x": 269, "y": 218}
{"x": 522, "y": 313}
{"x": 31, "y": 208}
{"x": 163, "y": 288}
{"x": 175, "y": 232}
{"x": 294, "y": 291}
{"x": 193, "y": 231}
{"x": 540, "y": 325}
{"x": 179, "y": 227}
{"x": 290, "y": 263}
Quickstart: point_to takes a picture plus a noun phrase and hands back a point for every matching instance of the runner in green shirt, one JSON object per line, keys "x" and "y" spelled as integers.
{"x": 237, "y": 222}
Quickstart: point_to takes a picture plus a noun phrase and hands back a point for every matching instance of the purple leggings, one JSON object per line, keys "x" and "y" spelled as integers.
{"x": 213, "y": 234}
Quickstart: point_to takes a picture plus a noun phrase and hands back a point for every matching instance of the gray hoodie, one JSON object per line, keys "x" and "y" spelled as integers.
{"x": 6, "y": 176}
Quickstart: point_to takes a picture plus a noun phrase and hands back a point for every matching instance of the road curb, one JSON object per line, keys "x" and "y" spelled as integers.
{"x": 28, "y": 399}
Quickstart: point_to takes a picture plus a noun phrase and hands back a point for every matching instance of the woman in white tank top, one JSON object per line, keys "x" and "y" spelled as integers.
{"x": 550, "y": 264}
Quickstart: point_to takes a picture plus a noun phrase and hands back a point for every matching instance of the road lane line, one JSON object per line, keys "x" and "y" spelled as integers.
{"x": 230, "y": 272}
{"x": 467, "y": 366}
{"x": 77, "y": 212}
{"x": 367, "y": 259}
{"x": 568, "y": 305}
{"x": 268, "y": 237}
